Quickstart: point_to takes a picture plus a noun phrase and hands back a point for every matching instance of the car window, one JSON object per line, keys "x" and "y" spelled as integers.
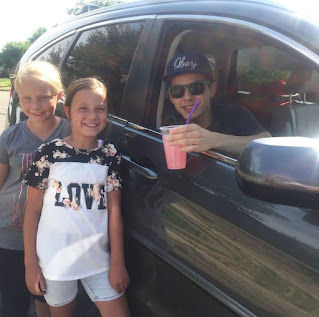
{"x": 259, "y": 65}
{"x": 54, "y": 54}
{"x": 107, "y": 53}
{"x": 280, "y": 89}
{"x": 215, "y": 41}
{"x": 277, "y": 85}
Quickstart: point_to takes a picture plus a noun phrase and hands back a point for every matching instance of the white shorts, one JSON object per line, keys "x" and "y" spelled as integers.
{"x": 60, "y": 293}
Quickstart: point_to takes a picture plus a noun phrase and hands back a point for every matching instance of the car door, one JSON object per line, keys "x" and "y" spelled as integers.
{"x": 195, "y": 244}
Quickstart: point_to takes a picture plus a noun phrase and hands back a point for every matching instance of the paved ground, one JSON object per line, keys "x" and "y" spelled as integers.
{"x": 4, "y": 101}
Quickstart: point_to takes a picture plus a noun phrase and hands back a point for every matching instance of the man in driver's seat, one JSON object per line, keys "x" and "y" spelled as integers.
{"x": 227, "y": 128}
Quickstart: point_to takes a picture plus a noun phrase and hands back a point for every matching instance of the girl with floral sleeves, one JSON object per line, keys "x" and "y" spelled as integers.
{"x": 73, "y": 213}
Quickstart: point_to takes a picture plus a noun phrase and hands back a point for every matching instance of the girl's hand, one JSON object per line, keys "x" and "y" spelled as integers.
{"x": 35, "y": 280}
{"x": 118, "y": 278}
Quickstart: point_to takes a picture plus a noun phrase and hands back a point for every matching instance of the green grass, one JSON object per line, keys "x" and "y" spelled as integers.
{"x": 5, "y": 83}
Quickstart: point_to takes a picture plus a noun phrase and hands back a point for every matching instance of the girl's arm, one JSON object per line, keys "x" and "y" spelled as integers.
{"x": 4, "y": 171}
{"x": 118, "y": 276}
{"x": 34, "y": 278}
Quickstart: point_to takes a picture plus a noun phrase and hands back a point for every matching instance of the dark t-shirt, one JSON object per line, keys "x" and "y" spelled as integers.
{"x": 234, "y": 120}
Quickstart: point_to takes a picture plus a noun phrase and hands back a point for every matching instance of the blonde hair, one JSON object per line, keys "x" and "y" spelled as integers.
{"x": 91, "y": 83}
{"x": 42, "y": 71}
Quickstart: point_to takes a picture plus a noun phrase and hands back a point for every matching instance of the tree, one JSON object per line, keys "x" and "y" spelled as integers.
{"x": 100, "y": 3}
{"x": 12, "y": 52}
{"x": 35, "y": 35}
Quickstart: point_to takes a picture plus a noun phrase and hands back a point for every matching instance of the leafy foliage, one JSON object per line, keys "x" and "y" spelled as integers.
{"x": 35, "y": 35}
{"x": 54, "y": 54}
{"x": 249, "y": 77}
{"x": 113, "y": 48}
{"x": 100, "y": 3}
{"x": 12, "y": 52}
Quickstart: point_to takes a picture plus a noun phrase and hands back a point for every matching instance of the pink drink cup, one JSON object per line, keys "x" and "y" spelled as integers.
{"x": 175, "y": 159}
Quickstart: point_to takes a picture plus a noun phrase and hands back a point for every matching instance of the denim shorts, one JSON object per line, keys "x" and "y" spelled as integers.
{"x": 60, "y": 293}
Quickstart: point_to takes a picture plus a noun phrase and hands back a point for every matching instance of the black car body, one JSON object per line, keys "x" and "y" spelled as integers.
{"x": 196, "y": 245}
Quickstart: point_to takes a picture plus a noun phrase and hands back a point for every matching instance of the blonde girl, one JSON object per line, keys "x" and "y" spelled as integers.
{"x": 39, "y": 88}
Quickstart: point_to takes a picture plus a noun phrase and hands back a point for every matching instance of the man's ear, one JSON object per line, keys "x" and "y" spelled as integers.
{"x": 67, "y": 111}
{"x": 212, "y": 89}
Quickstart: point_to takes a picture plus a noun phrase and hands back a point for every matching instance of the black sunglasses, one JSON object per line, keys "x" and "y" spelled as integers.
{"x": 195, "y": 88}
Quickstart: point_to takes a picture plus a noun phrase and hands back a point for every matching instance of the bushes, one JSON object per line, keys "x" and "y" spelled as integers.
{"x": 250, "y": 77}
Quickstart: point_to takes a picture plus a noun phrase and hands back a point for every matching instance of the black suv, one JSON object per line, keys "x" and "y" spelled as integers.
{"x": 196, "y": 245}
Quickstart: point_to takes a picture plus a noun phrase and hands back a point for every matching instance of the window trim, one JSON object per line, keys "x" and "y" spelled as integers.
{"x": 76, "y": 31}
{"x": 114, "y": 21}
{"x": 52, "y": 43}
{"x": 250, "y": 26}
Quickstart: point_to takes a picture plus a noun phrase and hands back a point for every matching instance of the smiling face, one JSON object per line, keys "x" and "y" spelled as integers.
{"x": 184, "y": 104}
{"x": 38, "y": 100}
{"x": 88, "y": 114}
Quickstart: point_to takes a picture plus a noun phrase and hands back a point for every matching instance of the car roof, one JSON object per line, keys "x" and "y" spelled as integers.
{"x": 276, "y": 15}
{"x": 287, "y": 5}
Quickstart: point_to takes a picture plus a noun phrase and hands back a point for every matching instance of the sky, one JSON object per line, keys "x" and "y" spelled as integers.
{"x": 19, "y": 19}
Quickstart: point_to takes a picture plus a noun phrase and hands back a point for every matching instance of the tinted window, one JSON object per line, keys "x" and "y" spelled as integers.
{"x": 215, "y": 41}
{"x": 54, "y": 54}
{"x": 106, "y": 52}
{"x": 280, "y": 89}
{"x": 259, "y": 66}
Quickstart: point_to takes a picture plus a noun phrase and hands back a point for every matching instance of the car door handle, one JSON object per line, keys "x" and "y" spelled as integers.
{"x": 141, "y": 170}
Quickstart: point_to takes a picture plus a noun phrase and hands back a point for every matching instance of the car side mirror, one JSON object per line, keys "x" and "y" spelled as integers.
{"x": 283, "y": 170}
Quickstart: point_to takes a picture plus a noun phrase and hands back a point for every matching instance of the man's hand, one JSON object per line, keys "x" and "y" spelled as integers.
{"x": 35, "y": 280}
{"x": 193, "y": 138}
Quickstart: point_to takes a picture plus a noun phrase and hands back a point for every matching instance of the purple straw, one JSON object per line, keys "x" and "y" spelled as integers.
{"x": 190, "y": 114}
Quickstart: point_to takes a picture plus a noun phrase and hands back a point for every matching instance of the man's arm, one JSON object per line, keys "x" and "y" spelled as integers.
{"x": 193, "y": 138}
{"x": 235, "y": 144}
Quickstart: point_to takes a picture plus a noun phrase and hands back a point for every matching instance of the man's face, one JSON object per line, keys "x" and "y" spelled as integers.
{"x": 184, "y": 104}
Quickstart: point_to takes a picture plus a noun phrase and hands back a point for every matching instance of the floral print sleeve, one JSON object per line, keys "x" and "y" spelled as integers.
{"x": 38, "y": 173}
{"x": 59, "y": 151}
{"x": 114, "y": 180}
